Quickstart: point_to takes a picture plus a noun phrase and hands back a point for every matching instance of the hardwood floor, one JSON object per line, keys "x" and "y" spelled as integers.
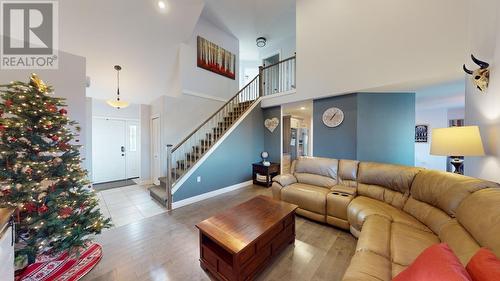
{"x": 165, "y": 247}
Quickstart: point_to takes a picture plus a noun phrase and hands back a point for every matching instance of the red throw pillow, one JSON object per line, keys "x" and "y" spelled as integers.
{"x": 436, "y": 263}
{"x": 484, "y": 266}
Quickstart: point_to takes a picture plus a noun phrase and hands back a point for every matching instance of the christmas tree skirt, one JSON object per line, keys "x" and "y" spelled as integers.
{"x": 62, "y": 267}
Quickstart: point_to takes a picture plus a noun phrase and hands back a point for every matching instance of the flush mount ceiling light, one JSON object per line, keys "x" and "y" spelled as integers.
{"x": 261, "y": 42}
{"x": 117, "y": 103}
{"x": 162, "y": 5}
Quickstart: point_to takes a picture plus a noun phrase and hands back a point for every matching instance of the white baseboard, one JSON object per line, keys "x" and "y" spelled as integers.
{"x": 210, "y": 194}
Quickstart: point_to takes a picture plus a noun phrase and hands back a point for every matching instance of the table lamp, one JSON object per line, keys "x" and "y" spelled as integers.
{"x": 456, "y": 142}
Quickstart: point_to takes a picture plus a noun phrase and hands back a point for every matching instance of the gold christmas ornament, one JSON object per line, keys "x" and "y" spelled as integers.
{"x": 38, "y": 83}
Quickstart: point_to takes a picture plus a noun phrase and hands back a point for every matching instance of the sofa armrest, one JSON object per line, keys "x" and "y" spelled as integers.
{"x": 343, "y": 189}
{"x": 279, "y": 182}
{"x": 284, "y": 180}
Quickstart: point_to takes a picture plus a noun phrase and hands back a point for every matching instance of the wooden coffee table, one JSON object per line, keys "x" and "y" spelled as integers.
{"x": 241, "y": 241}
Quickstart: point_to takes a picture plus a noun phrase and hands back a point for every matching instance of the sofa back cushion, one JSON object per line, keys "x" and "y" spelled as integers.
{"x": 427, "y": 214}
{"x": 445, "y": 190}
{"x": 479, "y": 214}
{"x": 386, "y": 182}
{"x": 316, "y": 171}
{"x": 348, "y": 172}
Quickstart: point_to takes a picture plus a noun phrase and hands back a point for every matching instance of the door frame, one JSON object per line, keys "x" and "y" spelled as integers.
{"x": 139, "y": 136}
{"x": 151, "y": 143}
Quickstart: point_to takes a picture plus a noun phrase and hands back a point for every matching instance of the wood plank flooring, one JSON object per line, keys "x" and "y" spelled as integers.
{"x": 165, "y": 247}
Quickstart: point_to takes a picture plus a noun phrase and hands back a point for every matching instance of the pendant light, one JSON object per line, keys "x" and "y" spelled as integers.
{"x": 117, "y": 103}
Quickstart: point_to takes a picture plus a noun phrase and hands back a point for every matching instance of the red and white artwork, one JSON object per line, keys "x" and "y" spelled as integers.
{"x": 216, "y": 59}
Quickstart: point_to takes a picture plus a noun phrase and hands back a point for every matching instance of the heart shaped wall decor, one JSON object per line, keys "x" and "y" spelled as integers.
{"x": 272, "y": 124}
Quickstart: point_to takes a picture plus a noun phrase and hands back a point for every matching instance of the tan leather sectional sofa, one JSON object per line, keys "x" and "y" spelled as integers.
{"x": 395, "y": 211}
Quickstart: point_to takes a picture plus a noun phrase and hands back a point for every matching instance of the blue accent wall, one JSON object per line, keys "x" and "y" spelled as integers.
{"x": 339, "y": 142}
{"x": 386, "y": 128}
{"x": 231, "y": 162}
{"x": 272, "y": 141}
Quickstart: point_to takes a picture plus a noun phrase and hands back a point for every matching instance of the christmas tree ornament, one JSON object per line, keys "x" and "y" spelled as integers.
{"x": 38, "y": 83}
{"x": 63, "y": 111}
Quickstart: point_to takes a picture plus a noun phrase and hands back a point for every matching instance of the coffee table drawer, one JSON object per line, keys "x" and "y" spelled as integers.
{"x": 266, "y": 238}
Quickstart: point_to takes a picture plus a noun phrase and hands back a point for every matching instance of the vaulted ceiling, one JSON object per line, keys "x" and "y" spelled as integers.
{"x": 145, "y": 40}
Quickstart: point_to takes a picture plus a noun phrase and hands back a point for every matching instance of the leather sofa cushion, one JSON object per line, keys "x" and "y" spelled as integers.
{"x": 459, "y": 240}
{"x": 431, "y": 216}
{"x": 285, "y": 179}
{"x": 317, "y": 165}
{"x": 362, "y": 207}
{"x": 368, "y": 266}
{"x": 408, "y": 242}
{"x": 317, "y": 180}
{"x": 445, "y": 190}
{"x": 479, "y": 214}
{"x": 348, "y": 172}
{"x": 308, "y": 197}
{"x": 395, "y": 177}
{"x": 376, "y": 236}
{"x": 380, "y": 193}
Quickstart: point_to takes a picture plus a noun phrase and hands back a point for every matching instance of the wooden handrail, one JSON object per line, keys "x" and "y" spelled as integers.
{"x": 274, "y": 64}
{"x": 211, "y": 116}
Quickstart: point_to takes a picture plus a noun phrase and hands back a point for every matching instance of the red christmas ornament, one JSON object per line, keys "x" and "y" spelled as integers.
{"x": 50, "y": 107}
{"x": 43, "y": 209}
{"x": 65, "y": 212}
{"x": 2, "y": 127}
{"x": 29, "y": 129}
{"x": 30, "y": 207}
{"x": 28, "y": 171}
{"x": 55, "y": 138}
{"x": 11, "y": 139}
{"x": 63, "y": 146}
{"x": 8, "y": 103}
{"x": 63, "y": 111}
{"x": 6, "y": 192}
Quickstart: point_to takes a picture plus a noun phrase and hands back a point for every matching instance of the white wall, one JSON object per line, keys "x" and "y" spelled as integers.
{"x": 347, "y": 46}
{"x": 285, "y": 47}
{"x": 434, "y": 118}
{"x": 483, "y": 109}
{"x": 435, "y": 106}
{"x": 69, "y": 82}
{"x": 198, "y": 80}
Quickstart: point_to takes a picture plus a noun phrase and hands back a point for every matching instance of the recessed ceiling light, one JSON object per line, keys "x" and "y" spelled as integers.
{"x": 303, "y": 108}
{"x": 162, "y": 5}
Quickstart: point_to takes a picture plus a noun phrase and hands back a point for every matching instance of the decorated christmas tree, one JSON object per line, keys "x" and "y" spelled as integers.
{"x": 40, "y": 172}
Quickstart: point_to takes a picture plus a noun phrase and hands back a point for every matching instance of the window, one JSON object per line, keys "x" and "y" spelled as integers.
{"x": 133, "y": 137}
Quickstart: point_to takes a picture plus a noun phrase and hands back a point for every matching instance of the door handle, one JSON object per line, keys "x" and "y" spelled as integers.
{"x": 122, "y": 148}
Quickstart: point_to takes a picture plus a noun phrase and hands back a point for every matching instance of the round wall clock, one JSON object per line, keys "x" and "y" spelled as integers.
{"x": 333, "y": 117}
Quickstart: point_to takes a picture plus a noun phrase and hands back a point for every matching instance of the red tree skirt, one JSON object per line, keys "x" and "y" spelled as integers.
{"x": 62, "y": 267}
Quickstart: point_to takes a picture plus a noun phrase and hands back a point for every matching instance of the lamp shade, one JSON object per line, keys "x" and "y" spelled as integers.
{"x": 457, "y": 141}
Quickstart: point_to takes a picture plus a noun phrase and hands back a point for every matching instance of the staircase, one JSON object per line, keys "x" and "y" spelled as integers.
{"x": 276, "y": 78}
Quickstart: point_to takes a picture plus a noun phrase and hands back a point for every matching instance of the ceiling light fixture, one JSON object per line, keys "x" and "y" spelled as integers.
{"x": 117, "y": 103}
{"x": 303, "y": 108}
{"x": 261, "y": 42}
{"x": 162, "y": 5}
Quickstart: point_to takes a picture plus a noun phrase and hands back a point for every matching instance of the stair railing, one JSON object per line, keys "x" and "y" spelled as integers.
{"x": 279, "y": 77}
{"x": 272, "y": 79}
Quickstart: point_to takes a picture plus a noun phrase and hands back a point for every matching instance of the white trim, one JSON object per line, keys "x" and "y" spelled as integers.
{"x": 204, "y": 96}
{"x": 214, "y": 147}
{"x": 277, "y": 95}
{"x": 210, "y": 194}
{"x": 151, "y": 152}
{"x": 281, "y": 140}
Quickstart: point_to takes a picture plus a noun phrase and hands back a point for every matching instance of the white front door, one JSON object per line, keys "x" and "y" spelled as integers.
{"x": 155, "y": 143}
{"x": 108, "y": 150}
{"x": 133, "y": 152}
